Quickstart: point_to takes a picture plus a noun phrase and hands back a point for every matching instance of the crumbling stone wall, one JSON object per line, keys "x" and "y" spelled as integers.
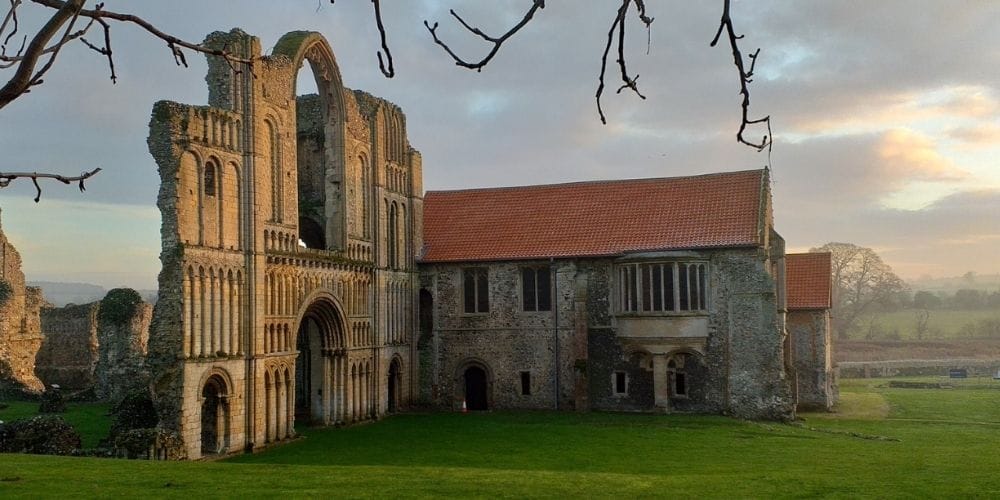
{"x": 123, "y": 320}
{"x": 68, "y": 354}
{"x": 20, "y": 326}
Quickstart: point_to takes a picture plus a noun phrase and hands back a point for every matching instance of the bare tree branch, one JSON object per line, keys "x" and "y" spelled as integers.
{"x": 746, "y": 76}
{"x": 618, "y": 25}
{"x": 25, "y": 75}
{"x": 27, "y": 58}
{"x": 7, "y": 177}
{"x": 496, "y": 41}
{"x": 384, "y": 65}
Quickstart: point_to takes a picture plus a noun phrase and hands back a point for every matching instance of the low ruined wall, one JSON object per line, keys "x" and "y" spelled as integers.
{"x": 917, "y": 368}
{"x": 68, "y": 354}
{"x": 122, "y": 337}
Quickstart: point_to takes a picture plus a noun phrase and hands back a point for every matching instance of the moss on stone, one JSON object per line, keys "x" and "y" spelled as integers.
{"x": 6, "y": 292}
{"x": 119, "y": 306}
{"x": 290, "y": 44}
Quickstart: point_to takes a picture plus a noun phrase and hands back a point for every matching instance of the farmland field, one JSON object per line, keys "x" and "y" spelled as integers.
{"x": 883, "y": 442}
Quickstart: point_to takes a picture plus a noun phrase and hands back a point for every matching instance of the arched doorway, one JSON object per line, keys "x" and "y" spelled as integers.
{"x": 394, "y": 386}
{"x": 308, "y": 370}
{"x": 476, "y": 393}
{"x": 320, "y": 365}
{"x": 214, "y": 416}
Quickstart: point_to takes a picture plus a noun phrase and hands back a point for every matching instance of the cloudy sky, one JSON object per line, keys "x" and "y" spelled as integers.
{"x": 886, "y": 117}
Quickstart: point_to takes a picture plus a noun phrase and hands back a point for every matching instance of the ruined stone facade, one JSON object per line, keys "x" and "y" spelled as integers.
{"x": 68, "y": 355}
{"x": 20, "y": 326}
{"x": 576, "y": 314}
{"x": 289, "y": 227}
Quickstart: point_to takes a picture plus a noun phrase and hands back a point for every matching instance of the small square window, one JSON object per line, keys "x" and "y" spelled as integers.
{"x": 620, "y": 381}
{"x": 525, "y": 383}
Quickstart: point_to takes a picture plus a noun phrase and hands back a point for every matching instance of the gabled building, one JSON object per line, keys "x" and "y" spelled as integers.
{"x": 650, "y": 294}
{"x": 809, "y": 302}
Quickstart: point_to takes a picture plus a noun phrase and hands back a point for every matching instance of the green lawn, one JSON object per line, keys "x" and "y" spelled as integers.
{"x": 942, "y": 323}
{"x": 884, "y": 442}
{"x": 89, "y": 419}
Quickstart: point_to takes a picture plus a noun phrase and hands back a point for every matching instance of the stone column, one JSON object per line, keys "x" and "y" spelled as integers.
{"x": 661, "y": 386}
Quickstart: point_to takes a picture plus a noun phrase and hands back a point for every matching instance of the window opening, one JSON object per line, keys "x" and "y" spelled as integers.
{"x": 663, "y": 287}
{"x": 477, "y": 290}
{"x": 536, "y": 289}
{"x": 525, "y": 383}
{"x": 210, "y": 179}
{"x": 621, "y": 383}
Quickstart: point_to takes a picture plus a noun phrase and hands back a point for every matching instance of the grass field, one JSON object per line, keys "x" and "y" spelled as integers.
{"x": 942, "y": 323}
{"x": 883, "y": 442}
{"x": 89, "y": 419}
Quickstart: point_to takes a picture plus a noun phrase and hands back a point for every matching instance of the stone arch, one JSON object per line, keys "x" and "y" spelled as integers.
{"x": 394, "y": 384}
{"x": 687, "y": 376}
{"x": 216, "y": 388}
{"x": 272, "y": 132}
{"x": 300, "y": 47}
{"x": 321, "y": 342}
{"x": 474, "y": 377}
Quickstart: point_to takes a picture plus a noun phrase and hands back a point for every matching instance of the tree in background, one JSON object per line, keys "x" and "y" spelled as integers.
{"x": 923, "y": 317}
{"x": 926, "y": 300}
{"x": 861, "y": 282}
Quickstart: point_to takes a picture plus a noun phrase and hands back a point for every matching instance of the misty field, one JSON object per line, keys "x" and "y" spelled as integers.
{"x": 883, "y": 442}
{"x": 941, "y": 324}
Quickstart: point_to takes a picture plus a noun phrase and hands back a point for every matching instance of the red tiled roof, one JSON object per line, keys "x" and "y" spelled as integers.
{"x": 807, "y": 280}
{"x": 589, "y": 219}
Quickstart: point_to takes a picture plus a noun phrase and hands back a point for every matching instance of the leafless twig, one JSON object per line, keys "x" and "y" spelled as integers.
{"x": 7, "y": 177}
{"x": 496, "y": 41}
{"x": 746, "y": 76}
{"x": 27, "y": 57}
{"x": 618, "y": 26}
{"x": 386, "y": 64}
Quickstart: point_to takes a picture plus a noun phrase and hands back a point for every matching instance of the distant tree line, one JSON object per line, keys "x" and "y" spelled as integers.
{"x": 962, "y": 299}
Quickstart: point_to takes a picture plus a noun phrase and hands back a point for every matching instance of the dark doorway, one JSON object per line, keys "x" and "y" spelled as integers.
{"x": 308, "y": 371}
{"x": 214, "y": 417}
{"x": 393, "y": 386}
{"x": 475, "y": 389}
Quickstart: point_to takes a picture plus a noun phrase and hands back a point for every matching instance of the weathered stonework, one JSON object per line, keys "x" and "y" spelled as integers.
{"x": 122, "y": 337}
{"x": 20, "y": 326}
{"x": 735, "y": 365}
{"x": 253, "y": 331}
{"x": 68, "y": 354}
{"x": 815, "y": 377}
{"x": 587, "y": 351}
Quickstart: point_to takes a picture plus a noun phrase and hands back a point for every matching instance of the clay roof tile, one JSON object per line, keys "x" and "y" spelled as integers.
{"x": 590, "y": 219}
{"x": 808, "y": 280}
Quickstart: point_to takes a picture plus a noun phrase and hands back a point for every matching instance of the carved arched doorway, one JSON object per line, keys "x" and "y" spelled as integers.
{"x": 214, "y": 416}
{"x": 321, "y": 363}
